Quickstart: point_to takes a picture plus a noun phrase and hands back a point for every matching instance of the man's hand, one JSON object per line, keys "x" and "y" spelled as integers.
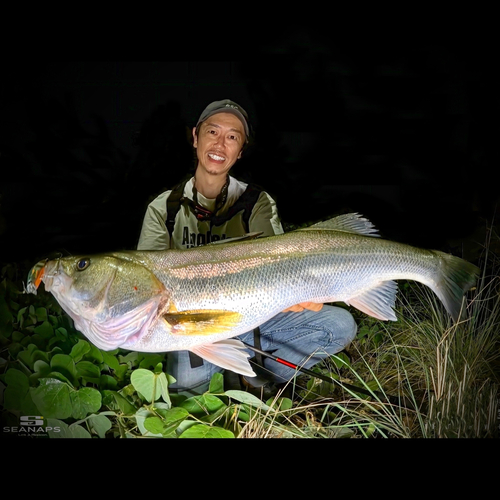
{"x": 313, "y": 306}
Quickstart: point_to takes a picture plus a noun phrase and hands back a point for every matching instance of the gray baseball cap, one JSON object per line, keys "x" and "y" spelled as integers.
{"x": 226, "y": 106}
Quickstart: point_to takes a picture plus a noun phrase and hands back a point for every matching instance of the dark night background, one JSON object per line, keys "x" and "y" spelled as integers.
{"x": 405, "y": 135}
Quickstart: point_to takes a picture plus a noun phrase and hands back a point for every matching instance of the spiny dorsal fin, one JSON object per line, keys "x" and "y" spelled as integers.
{"x": 351, "y": 223}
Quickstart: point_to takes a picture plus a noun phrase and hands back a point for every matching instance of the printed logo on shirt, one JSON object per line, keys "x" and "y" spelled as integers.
{"x": 190, "y": 240}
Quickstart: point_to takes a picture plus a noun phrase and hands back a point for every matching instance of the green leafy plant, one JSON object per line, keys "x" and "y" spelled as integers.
{"x": 51, "y": 375}
{"x": 48, "y": 369}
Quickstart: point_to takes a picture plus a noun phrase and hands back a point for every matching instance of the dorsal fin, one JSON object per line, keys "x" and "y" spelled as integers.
{"x": 351, "y": 223}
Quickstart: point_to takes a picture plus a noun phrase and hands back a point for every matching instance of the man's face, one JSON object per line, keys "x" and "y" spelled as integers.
{"x": 219, "y": 142}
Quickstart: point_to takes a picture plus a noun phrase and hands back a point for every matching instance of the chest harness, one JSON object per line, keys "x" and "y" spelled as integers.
{"x": 245, "y": 202}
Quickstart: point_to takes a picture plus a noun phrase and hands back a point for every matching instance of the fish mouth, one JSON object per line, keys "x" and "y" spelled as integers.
{"x": 53, "y": 279}
{"x": 48, "y": 272}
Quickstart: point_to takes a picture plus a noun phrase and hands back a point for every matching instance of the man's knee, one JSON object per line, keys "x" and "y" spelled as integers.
{"x": 343, "y": 325}
{"x": 351, "y": 328}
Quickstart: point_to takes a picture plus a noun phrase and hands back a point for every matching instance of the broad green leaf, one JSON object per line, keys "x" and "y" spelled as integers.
{"x": 79, "y": 350}
{"x": 52, "y": 398}
{"x": 121, "y": 371}
{"x": 141, "y": 415}
{"x": 340, "y": 359}
{"x": 26, "y": 356}
{"x": 247, "y": 398}
{"x": 205, "y": 431}
{"x": 214, "y": 416}
{"x": 131, "y": 358}
{"x": 110, "y": 360}
{"x": 60, "y": 429}
{"x": 163, "y": 385}
{"x": 89, "y": 371}
{"x": 186, "y": 424}
{"x": 41, "y": 369}
{"x": 53, "y": 320}
{"x": 41, "y": 366}
{"x": 172, "y": 418}
{"x": 203, "y": 405}
{"x": 154, "y": 425}
{"x": 39, "y": 341}
{"x": 64, "y": 363}
{"x": 17, "y": 388}
{"x": 28, "y": 407}
{"x": 93, "y": 354}
{"x": 39, "y": 355}
{"x": 117, "y": 402}
{"x": 61, "y": 377}
{"x": 15, "y": 349}
{"x": 84, "y": 401}
{"x": 17, "y": 336}
{"x": 144, "y": 383}
{"x": 100, "y": 424}
{"x": 20, "y": 316}
{"x": 150, "y": 385}
{"x": 45, "y": 330}
{"x": 280, "y": 404}
{"x": 216, "y": 384}
{"x": 150, "y": 360}
{"x": 41, "y": 314}
{"x": 61, "y": 333}
{"x": 128, "y": 390}
{"x": 107, "y": 382}
{"x": 242, "y": 414}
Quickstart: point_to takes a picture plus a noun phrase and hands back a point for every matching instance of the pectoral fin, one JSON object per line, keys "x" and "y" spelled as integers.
{"x": 120, "y": 331}
{"x": 229, "y": 354}
{"x": 378, "y": 301}
{"x": 202, "y": 322}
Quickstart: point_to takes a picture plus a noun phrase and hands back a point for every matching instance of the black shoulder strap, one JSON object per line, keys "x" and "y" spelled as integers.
{"x": 245, "y": 202}
{"x": 173, "y": 205}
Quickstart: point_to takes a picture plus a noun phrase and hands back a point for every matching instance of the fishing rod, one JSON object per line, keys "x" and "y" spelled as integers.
{"x": 392, "y": 399}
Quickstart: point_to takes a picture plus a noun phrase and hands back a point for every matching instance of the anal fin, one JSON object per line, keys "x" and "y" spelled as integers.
{"x": 378, "y": 301}
{"x": 229, "y": 354}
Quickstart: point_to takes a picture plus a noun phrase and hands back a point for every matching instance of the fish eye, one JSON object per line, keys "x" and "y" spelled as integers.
{"x": 82, "y": 264}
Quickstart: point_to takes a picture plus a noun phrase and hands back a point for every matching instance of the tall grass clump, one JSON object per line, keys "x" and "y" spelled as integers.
{"x": 450, "y": 372}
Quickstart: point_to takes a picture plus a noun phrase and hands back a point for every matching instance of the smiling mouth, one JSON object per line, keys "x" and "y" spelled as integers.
{"x": 216, "y": 157}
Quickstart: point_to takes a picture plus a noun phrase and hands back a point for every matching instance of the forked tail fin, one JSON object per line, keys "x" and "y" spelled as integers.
{"x": 457, "y": 276}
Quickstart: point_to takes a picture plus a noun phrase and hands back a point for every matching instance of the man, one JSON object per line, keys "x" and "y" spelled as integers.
{"x": 213, "y": 205}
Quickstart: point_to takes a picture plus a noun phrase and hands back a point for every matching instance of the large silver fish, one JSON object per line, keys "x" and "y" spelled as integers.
{"x": 198, "y": 299}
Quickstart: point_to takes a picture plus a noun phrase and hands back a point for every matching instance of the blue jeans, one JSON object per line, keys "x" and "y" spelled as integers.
{"x": 303, "y": 338}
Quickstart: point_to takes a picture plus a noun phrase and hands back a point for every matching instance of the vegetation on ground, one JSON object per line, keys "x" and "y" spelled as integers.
{"x": 446, "y": 376}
